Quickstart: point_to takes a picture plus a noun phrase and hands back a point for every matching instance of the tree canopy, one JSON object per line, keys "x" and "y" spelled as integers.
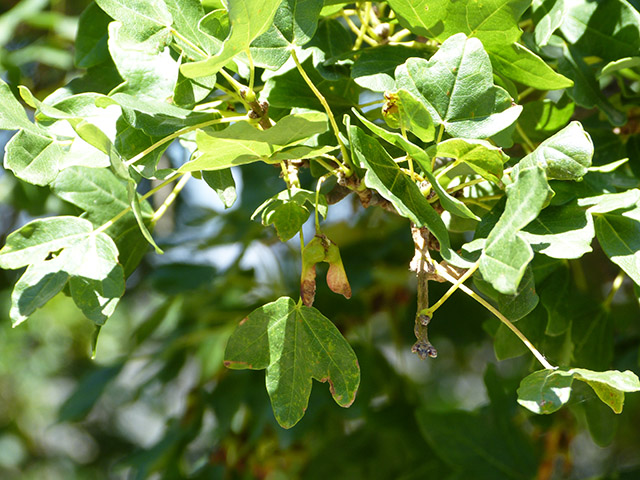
{"x": 431, "y": 208}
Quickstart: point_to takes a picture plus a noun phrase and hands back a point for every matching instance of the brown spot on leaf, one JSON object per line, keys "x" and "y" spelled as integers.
{"x": 308, "y": 286}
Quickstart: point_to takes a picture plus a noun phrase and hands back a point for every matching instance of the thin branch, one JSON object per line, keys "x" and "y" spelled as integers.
{"x": 327, "y": 108}
{"x": 443, "y": 273}
{"x": 170, "y": 199}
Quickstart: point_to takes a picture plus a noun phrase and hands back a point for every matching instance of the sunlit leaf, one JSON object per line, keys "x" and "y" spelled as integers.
{"x": 545, "y": 391}
{"x": 449, "y": 202}
{"x": 243, "y": 143}
{"x": 457, "y": 87}
{"x": 295, "y": 344}
{"x": 249, "y": 19}
{"x": 384, "y": 176}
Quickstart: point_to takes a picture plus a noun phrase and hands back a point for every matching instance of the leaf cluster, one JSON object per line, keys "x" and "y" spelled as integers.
{"x": 502, "y": 134}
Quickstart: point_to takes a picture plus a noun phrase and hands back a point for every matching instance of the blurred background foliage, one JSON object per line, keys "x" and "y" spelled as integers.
{"x": 156, "y": 402}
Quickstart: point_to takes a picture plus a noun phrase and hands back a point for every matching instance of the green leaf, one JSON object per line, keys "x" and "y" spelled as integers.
{"x": 33, "y": 157}
{"x": 287, "y": 89}
{"x": 609, "y": 29}
{"x": 186, "y": 15}
{"x": 609, "y": 202}
{"x": 146, "y": 68}
{"x": 601, "y": 421}
{"x": 564, "y": 231}
{"x": 296, "y": 23}
{"x": 586, "y": 91}
{"x": 520, "y": 64}
{"x": 592, "y": 338}
{"x": 507, "y": 345}
{"x": 140, "y": 19}
{"x": 555, "y": 296}
{"x": 35, "y": 240}
{"x": 542, "y": 118}
{"x": 189, "y": 91}
{"x": 97, "y": 279}
{"x": 102, "y": 196}
{"x": 494, "y": 22}
{"x": 545, "y": 391}
{"x": 214, "y": 28}
{"x": 87, "y": 392}
{"x": 477, "y": 445}
{"x": 619, "y": 237}
{"x": 297, "y": 20}
{"x": 58, "y": 249}
{"x": 564, "y": 156}
{"x": 300, "y": 152}
{"x": 506, "y": 253}
{"x": 450, "y": 203}
{"x": 295, "y": 344}
{"x": 249, "y": 19}
{"x": 12, "y": 114}
{"x": 242, "y": 143}
{"x": 374, "y": 68}
{"x": 288, "y": 211}
{"x": 610, "y": 385}
{"x": 287, "y": 218}
{"x": 223, "y": 184}
{"x": 617, "y": 65}
{"x": 517, "y": 306}
{"x": 415, "y": 116}
{"x": 384, "y": 176}
{"x": 483, "y": 158}
{"x": 331, "y": 49}
{"x": 155, "y": 117}
{"x": 547, "y": 15}
{"x": 91, "y": 40}
{"x": 38, "y": 284}
{"x": 136, "y": 208}
{"x": 457, "y": 87}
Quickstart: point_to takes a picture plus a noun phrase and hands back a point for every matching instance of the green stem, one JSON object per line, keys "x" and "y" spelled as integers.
{"x": 529, "y": 146}
{"x": 364, "y": 23}
{"x": 403, "y": 131}
{"x": 328, "y": 167}
{"x": 414, "y": 176}
{"x": 238, "y": 87}
{"x": 524, "y": 93}
{"x": 209, "y": 105}
{"x": 475, "y": 201}
{"x": 285, "y": 176}
{"x": 579, "y": 276}
{"x": 396, "y": 37}
{"x": 356, "y": 30}
{"x": 373, "y": 18}
{"x": 368, "y": 104}
{"x": 443, "y": 273}
{"x": 617, "y": 283}
{"x": 447, "y": 169}
{"x": 151, "y": 192}
{"x": 429, "y": 311}
{"x": 440, "y": 134}
{"x": 188, "y": 42}
{"x": 323, "y": 101}
{"x": 318, "y": 187}
{"x": 474, "y": 182}
{"x": 252, "y": 71}
{"x": 170, "y": 199}
{"x": 175, "y": 135}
